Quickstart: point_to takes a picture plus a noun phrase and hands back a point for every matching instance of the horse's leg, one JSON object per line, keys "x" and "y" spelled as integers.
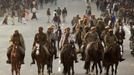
{"x": 96, "y": 69}
{"x": 116, "y": 67}
{"x": 107, "y": 70}
{"x": 93, "y": 66}
{"x": 48, "y": 68}
{"x": 65, "y": 69}
{"x": 73, "y": 69}
{"x": 112, "y": 70}
{"x": 99, "y": 63}
{"x": 39, "y": 69}
{"x": 19, "y": 72}
{"x": 52, "y": 64}
{"x": 87, "y": 67}
{"x": 16, "y": 69}
{"x": 12, "y": 71}
{"x": 43, "y": 69}
{"x": 69, "y": 67}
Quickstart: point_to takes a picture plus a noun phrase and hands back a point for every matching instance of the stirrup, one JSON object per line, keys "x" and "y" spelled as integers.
{"x": 22, "y": 62}
{"x": 56, "y": 57}
{"x": 32, "y": 62}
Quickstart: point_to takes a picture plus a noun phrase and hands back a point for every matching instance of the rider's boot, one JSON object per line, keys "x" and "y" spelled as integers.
{"x": 8, "y": 61}
{"x": 33, "y": 57}
{"x": 8, "y": 56}
{"x": 22, "y": 62}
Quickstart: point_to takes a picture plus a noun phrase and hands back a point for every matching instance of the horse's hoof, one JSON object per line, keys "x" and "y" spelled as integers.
{"x": 8, "y": 62}
{"x": 106, "y": 74}
{"x": 101, "y": 72}
{"x": 73, "y": 73}
{"x": 86, "y": 73}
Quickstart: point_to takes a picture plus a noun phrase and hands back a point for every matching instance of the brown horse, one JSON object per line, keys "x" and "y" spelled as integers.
{"x": 120, "y": 34}
{"x": 15, "y": 60}
{"x": 50, "y": 58}
{"x": 67, "y": 58}
{"x": 111, "y": 58}
{"x": 41, "y": 58}
{"x": 93, "y": 53}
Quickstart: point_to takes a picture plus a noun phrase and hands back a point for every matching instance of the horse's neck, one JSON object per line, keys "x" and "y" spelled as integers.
{"x": 14, "y": 50}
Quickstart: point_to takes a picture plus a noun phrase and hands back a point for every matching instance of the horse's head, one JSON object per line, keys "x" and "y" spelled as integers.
{"x": 72, "y": 44}
{"x": 37, "y": 47}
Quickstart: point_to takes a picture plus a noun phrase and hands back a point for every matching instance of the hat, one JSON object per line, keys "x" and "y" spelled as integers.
{"x": 51, "y": 26}
{"x": 107, "y": 27}
{"x": 93, "y": 28}
{"x": 110, "y": 30}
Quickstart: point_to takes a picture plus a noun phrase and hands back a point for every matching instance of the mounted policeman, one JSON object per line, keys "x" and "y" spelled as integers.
{"x": 16, "y": 39}
{"x": 41, "y": 39}
{"x": 110, "y": 40}
{"x": 65, "y": 41}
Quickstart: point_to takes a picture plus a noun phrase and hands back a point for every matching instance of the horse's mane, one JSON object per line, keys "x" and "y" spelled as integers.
{"x": 90, "y": 45}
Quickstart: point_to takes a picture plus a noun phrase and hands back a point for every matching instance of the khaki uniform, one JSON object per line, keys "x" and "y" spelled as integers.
{"x": 103, "y": 34}
{"x": 66, "y": 42}
{"x": 91, "y": 37}
{"x": 110, "y": 40}
{"x": 51, "y": 38}
{"x": 41, "y": 38}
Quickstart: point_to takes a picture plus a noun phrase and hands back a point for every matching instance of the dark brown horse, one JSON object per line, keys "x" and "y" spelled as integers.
{"x": 111, "y": 58}
{"x": 15, "y": 60}
{"x": 67, "y": 58}
{"x": 50, "y": 58}
{"x": 41, "y": 58}
{"x": 93, "y": 53}
{"x": 120, "y": 34}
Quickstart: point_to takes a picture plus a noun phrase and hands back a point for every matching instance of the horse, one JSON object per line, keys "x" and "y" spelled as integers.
{"x": 111, "y": 58}
{"x": 41, "y": 58}
{"x": 67, "y": 59}
{"x": 15, "y": 60}
{"x": 120, "y": 34}
{"x": 50, "y": 58}
{"x": 93, "y": 53}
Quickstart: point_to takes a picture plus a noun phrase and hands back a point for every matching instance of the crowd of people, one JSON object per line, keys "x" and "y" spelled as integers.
{"x": 21, "y": 9}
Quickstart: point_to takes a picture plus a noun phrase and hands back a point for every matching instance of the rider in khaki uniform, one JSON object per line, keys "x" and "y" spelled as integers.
{"x": 91, "y": 36}
{"x": 85, "y": 30}
{"x": 41, "y": 39}
{"x": 65, "y": 40}
{"x": 17, "y": 39}
{"x": 51, "y": 40}
{"x": 110, "y": 40}
{"x": 104, "y": 33}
